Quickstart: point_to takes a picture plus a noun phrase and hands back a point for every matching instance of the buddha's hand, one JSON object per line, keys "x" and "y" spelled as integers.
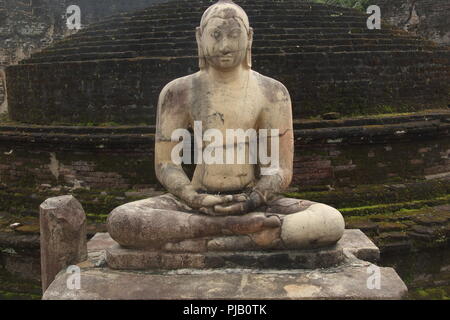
{"x": 241, "y": 205}
{"x": 198, "y": 200}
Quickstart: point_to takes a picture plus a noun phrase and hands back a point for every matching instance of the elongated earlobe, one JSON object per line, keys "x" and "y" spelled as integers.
{"x": 201, "y": 56}
{"x": 248, "y": 58}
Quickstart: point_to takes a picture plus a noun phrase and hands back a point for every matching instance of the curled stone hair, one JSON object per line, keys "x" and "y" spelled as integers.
{"x": 216, "y": 10}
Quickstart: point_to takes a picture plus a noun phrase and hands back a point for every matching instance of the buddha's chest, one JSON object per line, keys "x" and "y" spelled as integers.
{"x": 227, "y": 109}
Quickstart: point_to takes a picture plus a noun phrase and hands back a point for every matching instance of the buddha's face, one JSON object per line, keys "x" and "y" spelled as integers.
{"x": 224, "y": 42}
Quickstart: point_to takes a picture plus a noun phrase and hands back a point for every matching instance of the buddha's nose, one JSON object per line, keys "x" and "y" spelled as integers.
{"x": 225, "y": 47}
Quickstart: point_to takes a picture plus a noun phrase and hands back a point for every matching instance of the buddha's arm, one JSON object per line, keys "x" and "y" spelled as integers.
{"x": 278, "y": 115}
{"x": 172, "y": 115}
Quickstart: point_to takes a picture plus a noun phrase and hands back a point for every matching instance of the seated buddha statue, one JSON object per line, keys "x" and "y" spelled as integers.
{"x": 230, "y": 206}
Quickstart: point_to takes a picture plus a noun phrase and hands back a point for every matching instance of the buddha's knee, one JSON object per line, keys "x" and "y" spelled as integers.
{"x": 123, "y": 225}
{"x": 139, "y": 225}
{"x": 319, "y": 225}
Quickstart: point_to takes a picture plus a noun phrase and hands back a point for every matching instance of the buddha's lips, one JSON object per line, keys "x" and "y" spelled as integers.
{"x": 226, "y": 56}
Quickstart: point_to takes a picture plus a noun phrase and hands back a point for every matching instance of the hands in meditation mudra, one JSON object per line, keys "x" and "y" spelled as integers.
{"x": 226, "y": 206}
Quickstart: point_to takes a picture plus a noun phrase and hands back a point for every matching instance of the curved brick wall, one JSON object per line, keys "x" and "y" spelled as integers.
{"x": 114, "y": 70}
{"x": 29, "y": 26}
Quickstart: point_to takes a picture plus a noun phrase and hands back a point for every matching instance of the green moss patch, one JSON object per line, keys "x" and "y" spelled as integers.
{"x": 389, "y": 208}
{"x": 16, "y": 288}
{"x": 436, "y": 293}
{"x": 367, "y": 199}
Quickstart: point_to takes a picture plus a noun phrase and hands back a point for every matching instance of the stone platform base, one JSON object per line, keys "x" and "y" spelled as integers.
{"x": 354, "y": 240}
{"x": 349, "y": 280}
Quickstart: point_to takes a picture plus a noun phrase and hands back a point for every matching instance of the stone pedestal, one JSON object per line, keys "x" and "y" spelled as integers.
{"x": 341, "y": 274}
{"x": 63, "y": 236}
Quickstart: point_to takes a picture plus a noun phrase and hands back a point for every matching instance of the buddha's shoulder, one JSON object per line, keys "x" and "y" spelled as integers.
{"x": 272, "y": 89}
{"x": 269, "y": 85}
{"x": 180, "y": 84}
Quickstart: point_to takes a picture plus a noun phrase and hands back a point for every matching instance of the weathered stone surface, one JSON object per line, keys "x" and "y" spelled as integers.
{"x": 318, "y": 225}
{"x": 3, "y": 104}
{"x": 357, "y": 243}
{"x": 100, "y": 241}
{"x": 165, "y": 222}
{"x": 427, "y": 18}
{"x": 232, "y": 243}
{"x": 353, "y": 241}
{"x": 129, "y": 259}
{"x": 19, "y": 241}
{"x": 63, "y": 236}
{"x": 196, "y": 245}
{"x": 346, "y": 282}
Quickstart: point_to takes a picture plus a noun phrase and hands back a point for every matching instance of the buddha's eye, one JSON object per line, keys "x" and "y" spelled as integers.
{"x": 216, "y": 34}
{"x": 235, "y": 34}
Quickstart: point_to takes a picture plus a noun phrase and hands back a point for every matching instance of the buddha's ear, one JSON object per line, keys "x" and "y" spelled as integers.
{"x": 248, "y": 59}
{"x": 201, "y": 55}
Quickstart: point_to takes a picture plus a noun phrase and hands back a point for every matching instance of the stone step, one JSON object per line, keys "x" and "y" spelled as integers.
{"x": 253, "y": 14}
{"x": 299, "y": 124}
{"x": 268, "y": 4}
{"x": 327, "y": 34}
{"x": 189, "y": 50}
{"x": 176, "y": 7}
{"x": 259, "y": 17}
{"x": 106, "y": 53}
{"x": 261, "y": 31}
{"x": 256, "y": 21}
{"x": 367, "y": 81}
{"x": 181, "y": 6}
{"x": 86, "y": 57}
{"x": 189, "y": 42}
{"x": 274, "y": 276}
{"x": 144, "y": 43}
{"x": 273, "y": 27}
{"x": 346, "y": 58}
{"x": 304, "y": 38}
{"x": 308, "y": 58}
{"x": 302, "y": 45}
{"x": 348, "y": 282}
{"x": 290, "y": 33}
{"x": 299, "y": 33}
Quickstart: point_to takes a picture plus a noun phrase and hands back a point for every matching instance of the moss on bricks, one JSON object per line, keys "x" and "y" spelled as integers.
{"x": 389, "y": 208}
{"x": 392, "y": 226}
{"x": 435, "y": 293}
{"x": 419, "y": 229}
{"x": 5, "y": 295}
{"x": 16, "y": 288}
{"x": 25, "y": 201}
{"x": 371, "y": 196}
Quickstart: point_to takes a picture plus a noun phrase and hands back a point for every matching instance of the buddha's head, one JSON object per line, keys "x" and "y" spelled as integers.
{"x": 224, "y": 37}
